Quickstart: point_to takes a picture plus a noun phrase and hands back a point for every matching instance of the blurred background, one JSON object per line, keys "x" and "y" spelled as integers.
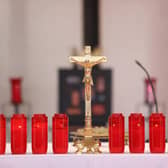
{"x": 37, "y": 36}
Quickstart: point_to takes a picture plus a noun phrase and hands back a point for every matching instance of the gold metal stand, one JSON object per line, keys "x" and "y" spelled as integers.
{"x": 86, "y": 139}
{"x": 87, "y": 144}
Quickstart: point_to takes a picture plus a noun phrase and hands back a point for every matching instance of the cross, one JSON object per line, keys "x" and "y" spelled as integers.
{"x": 87, "y": 61}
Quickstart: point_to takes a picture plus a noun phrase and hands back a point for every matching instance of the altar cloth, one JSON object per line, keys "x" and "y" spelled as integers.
{"x": 72, "y": 160}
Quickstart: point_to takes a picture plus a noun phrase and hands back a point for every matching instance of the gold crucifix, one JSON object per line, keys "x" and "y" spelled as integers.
{"x": 87, "y": 61}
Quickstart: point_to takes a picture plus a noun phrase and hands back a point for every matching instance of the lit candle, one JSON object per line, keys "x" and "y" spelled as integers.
{"x": 18, "y": 134}
{"x": 116, "y": 133}
{"x": 136, "y": 133}
{"x": 60, "y": 133}
{"x": 157, "y": 133}
{"x": 39, "y": 133}
{"x": 16, "y": 90}
{"x": 2, "y": 134}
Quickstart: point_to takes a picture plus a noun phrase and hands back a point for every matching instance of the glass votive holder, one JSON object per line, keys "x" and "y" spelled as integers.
{"x": 116, "y": 133}
{"x": 157, "y": 133}
{"x": 136, "y": 133}
{"x": 60, "y": 133}
{"x": 2, "y": 134}
{"x": 39, "y": 134}
{"x": 18, "y": 134}
{"x": 16, "y": 90}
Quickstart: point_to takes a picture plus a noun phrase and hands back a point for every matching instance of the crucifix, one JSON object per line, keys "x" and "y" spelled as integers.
{"x": 87, "y": 61}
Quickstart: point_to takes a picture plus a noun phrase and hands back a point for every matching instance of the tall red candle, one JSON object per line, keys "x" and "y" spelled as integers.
{"x": 18, "y": 134}
{"x": 60, "y": 133}
{"x": 136, "y": 133}
{"x": 39, "y": 133}
{"x": 2, "y": 134}
{"x": 157, "y": 133}
{"x": 116, "y": 133}
{"x": 16, "y": 90}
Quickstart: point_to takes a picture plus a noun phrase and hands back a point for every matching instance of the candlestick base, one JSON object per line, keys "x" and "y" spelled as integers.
{"x": 87, "y": 145}
{"x": 88, "y": 140}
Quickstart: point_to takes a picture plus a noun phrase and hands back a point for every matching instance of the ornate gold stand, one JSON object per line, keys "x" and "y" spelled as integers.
{"x": 86, "y": 140}
{"x": 87, "y": 144}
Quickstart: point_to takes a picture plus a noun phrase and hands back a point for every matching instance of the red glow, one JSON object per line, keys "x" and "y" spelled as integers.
{"x": 2, "y": 134}
{"x": 18, "y": 134}
{"x": 39, "y": 133}
{"x": 60, "y": 133}
{"x": 136, "y": 133}
{"x": 157, "y": 133}
{"x": 116, "y": 133}
{"x": 148, "y": 90}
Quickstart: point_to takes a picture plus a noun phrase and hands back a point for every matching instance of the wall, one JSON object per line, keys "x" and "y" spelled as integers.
{"x": 37, "y": 37}
{"x": 53, "y": 29}
{"x": 4, "y": 49}
{"x": 133, "y": 29}
{"x": 36, "y": 40}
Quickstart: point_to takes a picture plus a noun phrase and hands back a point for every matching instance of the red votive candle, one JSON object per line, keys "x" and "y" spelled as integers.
{"x": 39, "y": 133}
{"x": 2, "y": 134}
{"x": 149, "y": 98}
{"x": 16, "y": 90}
{"x": 60, "y": 133}
{"x": 136, "y": 133}
{"x": 116, "y": 133}
{"x": 18, "y": 134}
{"x": 157, "y": 133}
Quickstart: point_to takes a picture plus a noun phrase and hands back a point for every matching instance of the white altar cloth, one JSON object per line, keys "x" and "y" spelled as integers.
{"x": 71, "y": 160}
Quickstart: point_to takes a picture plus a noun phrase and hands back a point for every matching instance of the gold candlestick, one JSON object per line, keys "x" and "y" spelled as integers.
{"x": 87, "y": 61}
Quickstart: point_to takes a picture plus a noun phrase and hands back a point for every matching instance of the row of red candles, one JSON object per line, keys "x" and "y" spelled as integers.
{"x": 137, "y": 133}
{"x": 60, "y": 133}
{"x": 39, "y": 133}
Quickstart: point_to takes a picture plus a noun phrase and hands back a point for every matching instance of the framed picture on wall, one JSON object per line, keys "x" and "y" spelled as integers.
{"x": 71, "y": 96}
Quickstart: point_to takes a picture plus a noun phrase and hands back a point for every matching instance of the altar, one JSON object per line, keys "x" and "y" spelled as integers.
{"x": 72, "y": 160}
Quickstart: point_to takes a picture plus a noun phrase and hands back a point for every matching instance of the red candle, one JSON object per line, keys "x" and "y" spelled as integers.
{"x": 116, "y": 133}
{"x": 157, "y": 133}
{"x": 2, "y": 134}
{"x": 60, "y": 133}
{"x": 16, "y": 90}
{"x": 149, "y": 99}
{"x": 136, "y": 133}
{"x": 18, "y": 134}
{"x": 39, "y": 133}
